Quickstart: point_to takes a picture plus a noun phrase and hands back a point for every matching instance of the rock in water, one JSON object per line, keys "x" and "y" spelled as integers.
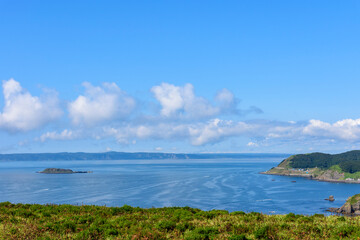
{"x": 331, "y": 198}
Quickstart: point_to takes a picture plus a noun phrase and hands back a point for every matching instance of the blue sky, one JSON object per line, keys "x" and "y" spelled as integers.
{"x": 179, "y": 76}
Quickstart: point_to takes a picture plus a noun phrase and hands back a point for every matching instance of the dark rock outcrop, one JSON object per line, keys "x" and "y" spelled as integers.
{"x": 331, "y": 198}
{"x": 61, "y": 171}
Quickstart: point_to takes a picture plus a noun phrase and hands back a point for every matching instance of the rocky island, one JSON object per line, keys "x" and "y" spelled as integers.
{"x": 343, "y": 167}
{"x": 61, "y": 171}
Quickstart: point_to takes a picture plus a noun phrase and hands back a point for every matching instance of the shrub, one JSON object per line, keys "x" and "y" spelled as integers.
{"x": 126, "y": 209}
{"x": 111, "y": 232}
{"x": 183, "y": 215}
{"x": 202, "y": 233}
{"x": 5, "y": 204}
{"x": 13, "y": 231}
{"x": 207, "y": 215}
{"x": 317, "y": 215}
{"x": 166, "y": 225}
{"x": 46, "y": 214}
{"x": 69, "y": 225}
{"x": 182, "y": 227}
{"x": 291, "y": 217}
{"x": 305, "y": 219}
{"x": 263, "y": 233}
{"x": 24, "y": 213}
{"x": 238, "y": 237}
{"x": 241, "y": 213}
{"x": 285, "y": 226}
{"x": 115, "y": 211}
{"x": 83, "y": 235}
{"x": 346, "y": 230}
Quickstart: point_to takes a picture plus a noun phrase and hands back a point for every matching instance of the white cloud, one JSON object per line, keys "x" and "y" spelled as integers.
{"x": 199, "y": 133}
{"x": 183, "y": 117}
{"x": 226, "y": 101}
{"x": 24, "y": 112}
{"x": 225, "y": 96}
{"x": 347, "y": 129}
{"x": 100, "y": 104}
{"x": 158, "y": 149}
{"x": 177, "y": 101}
{"x": 216, "y": 130}
{"x": 252, "y": 144}
{"x": 181, "y": 101}
{"x": 170, "y": 97}
{"x": 64, "y": 135}
{"x": 129, "y": 132}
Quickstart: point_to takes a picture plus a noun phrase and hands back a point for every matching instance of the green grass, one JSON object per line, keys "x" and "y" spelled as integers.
{"x": 336, "y": 168}
{"x": 31, "y": 221}
{"x": 354, "y": 199}
{"x": 355, "y": 175}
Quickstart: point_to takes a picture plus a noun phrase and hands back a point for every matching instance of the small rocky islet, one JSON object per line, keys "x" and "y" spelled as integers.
{"x": 61, "y": 171}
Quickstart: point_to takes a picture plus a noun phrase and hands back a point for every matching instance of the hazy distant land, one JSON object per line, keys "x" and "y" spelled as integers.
{"x": 130, "y": 156}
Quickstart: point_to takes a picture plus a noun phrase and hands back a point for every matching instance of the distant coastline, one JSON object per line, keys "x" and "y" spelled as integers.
{"x": 325, "y": 176}
{"x": 130, "y": 156}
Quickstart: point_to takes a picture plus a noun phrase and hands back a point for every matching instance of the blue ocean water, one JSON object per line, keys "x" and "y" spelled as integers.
{"x": 233, "y": 185}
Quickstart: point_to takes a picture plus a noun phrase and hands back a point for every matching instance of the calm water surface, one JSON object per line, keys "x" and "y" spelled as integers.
{"x": 234, "y": 185}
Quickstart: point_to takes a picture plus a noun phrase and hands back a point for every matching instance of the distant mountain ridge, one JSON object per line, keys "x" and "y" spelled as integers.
{"x": 128, "y": 156}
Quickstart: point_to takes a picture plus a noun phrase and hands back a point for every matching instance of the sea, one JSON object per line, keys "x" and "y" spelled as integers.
{"x": 226, "y": 184}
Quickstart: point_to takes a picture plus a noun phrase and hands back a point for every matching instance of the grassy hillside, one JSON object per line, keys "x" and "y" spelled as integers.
{"x": 348, "y": 162}
{"x": 19, "y": 221}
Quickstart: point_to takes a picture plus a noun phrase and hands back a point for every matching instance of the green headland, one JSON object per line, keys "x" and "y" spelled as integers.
{"x": 343, "y": 167}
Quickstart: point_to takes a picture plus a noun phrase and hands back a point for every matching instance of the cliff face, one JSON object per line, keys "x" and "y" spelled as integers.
{"x": 330, "y": 175}
{"x": 351, "y": 206}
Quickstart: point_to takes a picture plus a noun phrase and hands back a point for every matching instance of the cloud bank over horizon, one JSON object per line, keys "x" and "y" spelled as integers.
{"x": 108, "y": 112}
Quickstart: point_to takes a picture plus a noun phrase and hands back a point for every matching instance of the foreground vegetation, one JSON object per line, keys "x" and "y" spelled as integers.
{"x": 32, "y": 221}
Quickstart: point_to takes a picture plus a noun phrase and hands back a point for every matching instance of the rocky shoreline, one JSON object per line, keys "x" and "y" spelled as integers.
{"x": 350, "y": 208}
{"x": 312, "y": 174}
